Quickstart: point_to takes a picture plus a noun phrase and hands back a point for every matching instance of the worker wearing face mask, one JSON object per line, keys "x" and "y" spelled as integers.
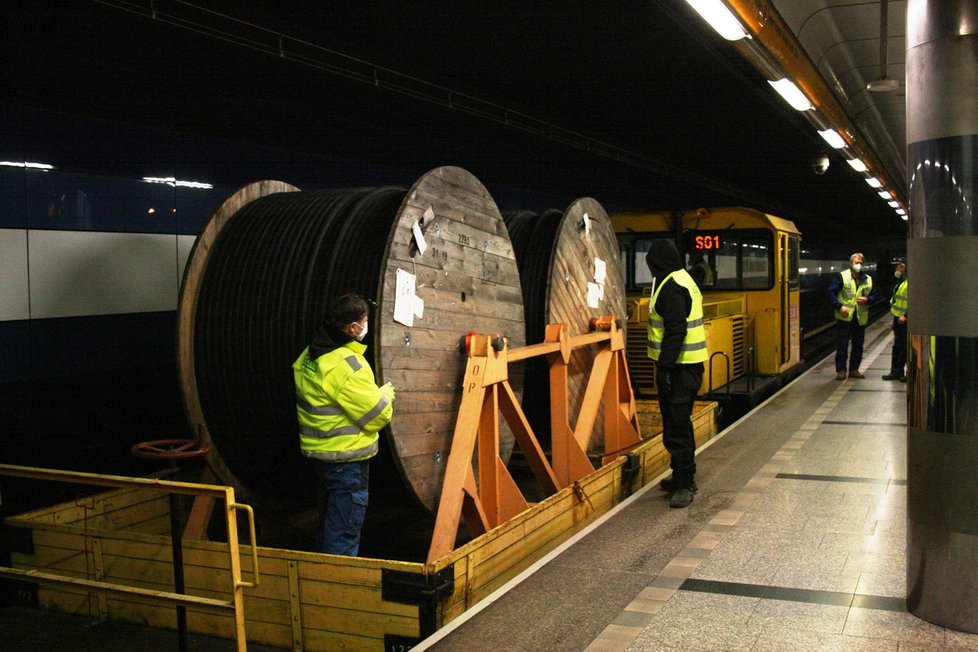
{"x": 851, "y": 292}
{"x": 341, "y": 411}
{"x": 898, "y": 308}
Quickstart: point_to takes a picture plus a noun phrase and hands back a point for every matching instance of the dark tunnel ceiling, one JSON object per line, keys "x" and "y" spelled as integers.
{"x": 637, "y": 104}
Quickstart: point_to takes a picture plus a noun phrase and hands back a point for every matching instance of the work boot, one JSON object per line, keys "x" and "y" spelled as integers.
{"x": 681, "y": 497}
{"x": 669, "y": 484}
{"x": 903, "y": 379}
{"x": 892, "y": 376}
{"x": 856, "y": 374}
{"x": 840, "y": 375}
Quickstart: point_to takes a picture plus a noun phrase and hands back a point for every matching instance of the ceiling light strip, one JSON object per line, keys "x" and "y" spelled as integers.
{"x": 773, "y": 36}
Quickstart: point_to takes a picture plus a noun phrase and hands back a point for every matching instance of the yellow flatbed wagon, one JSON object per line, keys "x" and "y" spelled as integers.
{"x": 303, "y": 600}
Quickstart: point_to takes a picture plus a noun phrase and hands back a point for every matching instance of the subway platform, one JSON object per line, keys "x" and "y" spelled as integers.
{"x": 795, "y": 541}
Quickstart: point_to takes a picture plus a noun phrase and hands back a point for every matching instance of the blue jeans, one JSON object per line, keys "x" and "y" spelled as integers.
{"x": 342, "y": 499}
{"x": 846, "y": 332}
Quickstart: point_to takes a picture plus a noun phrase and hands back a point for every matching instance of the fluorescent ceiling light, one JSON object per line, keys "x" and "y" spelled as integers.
{"x": 720, "y": 18}
{"x": 833, "y": 138}
{"x": 883, "y": 85}
{"x": 886, "y": 195}
{"x": 791, "y": 94}
{"x": 903, "y": 217}
{"x": 27, "y": 164}
{"x": 874, "y": 182}
{"x": 856, "y": 164}
{"x": 170, "y": 181}
{"x": 901, "y": 211}
{"x": 894, "y": 204}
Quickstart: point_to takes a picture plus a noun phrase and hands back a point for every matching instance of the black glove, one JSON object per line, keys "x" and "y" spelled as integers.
{"x": 663, "y": 381}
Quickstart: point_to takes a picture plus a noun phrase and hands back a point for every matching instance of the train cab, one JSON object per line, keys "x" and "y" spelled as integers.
{"x": 746, "y": 263}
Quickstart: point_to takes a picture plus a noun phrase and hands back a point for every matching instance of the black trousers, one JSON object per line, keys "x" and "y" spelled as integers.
{"x": 898, "y": 358}
{"x": 677, "y": 425}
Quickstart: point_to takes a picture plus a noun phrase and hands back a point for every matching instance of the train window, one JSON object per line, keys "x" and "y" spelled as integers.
{"x": 741, "y": 259}
{"x": 793, "y": 261}
{"x": 755, "y": 263}
{"x": 642, "y": 276}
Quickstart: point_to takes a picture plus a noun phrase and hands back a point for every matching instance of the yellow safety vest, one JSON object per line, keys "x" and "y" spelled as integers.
{"x": 694, "y": 346}
{"x": 898, "y": 303}
{"x": 340, "y": 408}
{"x": 847, "y": 296}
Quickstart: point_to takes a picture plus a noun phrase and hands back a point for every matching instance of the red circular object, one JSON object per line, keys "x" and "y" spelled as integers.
{"x": 169, "y": 449}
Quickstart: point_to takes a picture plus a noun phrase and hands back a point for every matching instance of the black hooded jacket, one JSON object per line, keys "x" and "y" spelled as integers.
{"x": 674, "y": 302}
{"x": 325, "y": 340}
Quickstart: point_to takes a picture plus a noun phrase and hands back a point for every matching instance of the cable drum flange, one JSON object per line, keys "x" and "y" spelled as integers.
{"x": 256, "y": 287}
{"x": 559, "y": 254}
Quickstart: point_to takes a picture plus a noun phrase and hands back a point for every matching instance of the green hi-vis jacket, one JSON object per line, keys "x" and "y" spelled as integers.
{"x": 694, "y": 346}
{"x": 898, "y": 302}
{"x": 847, "y": 297}
{"x": 341, "y": 410}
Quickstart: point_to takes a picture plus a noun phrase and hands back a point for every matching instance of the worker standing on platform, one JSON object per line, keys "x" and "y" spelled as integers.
{"x": 898, "y": 308}
{"x": 341, "y": 411}
{"x": 851, "y": 292}
{"x": 677, "y": 343}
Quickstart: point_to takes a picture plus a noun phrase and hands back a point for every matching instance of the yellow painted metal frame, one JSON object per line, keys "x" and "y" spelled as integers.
{"x": 211, "y": 492}
{"x": 486, "y": 392}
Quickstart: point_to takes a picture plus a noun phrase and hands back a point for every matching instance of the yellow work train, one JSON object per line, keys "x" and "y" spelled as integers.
{"x": 749, "y": 278}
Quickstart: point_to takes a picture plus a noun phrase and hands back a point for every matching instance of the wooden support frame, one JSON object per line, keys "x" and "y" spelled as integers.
{"x": 495, "y": 498}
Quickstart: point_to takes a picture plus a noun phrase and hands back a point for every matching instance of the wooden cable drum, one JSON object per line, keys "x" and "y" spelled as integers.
{"x": 257, "y": 285}
{"x": 560, "y": 256}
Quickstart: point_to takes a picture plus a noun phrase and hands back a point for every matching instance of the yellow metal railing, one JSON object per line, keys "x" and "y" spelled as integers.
{"x": 235, "y": 604}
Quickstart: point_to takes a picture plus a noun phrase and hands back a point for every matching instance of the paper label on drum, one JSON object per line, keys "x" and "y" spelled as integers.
{"x": 600, "y": 271}
{"x": 419, "y": 237}
{"x": 404, "y": 301}
{"x": 593, "y": 294}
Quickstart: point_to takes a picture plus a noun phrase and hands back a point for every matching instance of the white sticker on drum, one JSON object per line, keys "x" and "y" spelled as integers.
{"x": 405, "y": 299}
{"x": 419, "y": 237}
{"x": 600, "y": 271}
{"x": 593, "y": 294}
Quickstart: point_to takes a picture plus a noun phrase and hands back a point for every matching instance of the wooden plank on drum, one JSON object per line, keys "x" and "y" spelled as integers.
{"x": 469, "y": 281}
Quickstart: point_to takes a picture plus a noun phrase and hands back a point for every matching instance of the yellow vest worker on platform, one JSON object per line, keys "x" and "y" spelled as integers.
{"x": 851, "y": 292}
{"x": 677, "y": 342}
{"x": 341, "y": 411}
{"x": 898, "y": 308}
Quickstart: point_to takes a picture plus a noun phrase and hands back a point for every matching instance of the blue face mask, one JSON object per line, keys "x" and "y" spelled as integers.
{"x": 898, "y": 274}
{"x": 857, "y": 267}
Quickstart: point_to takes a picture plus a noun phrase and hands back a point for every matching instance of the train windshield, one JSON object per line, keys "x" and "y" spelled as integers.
{"x": 633, "y": 251}
{"x": 733, "y": 259}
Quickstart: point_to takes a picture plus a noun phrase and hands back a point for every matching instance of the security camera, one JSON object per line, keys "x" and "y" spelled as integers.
{"x": 820, "y": 164}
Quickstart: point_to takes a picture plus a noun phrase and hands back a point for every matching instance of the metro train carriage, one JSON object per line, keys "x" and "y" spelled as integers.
{"x": 751, "y": 298}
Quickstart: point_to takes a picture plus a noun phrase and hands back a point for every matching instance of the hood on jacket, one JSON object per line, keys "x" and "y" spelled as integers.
{"x": 663, "y": 258}
{"x": 325, "y": 340}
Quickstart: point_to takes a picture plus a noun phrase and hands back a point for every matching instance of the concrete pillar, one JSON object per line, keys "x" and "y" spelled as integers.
{"x": 942, "y": 424}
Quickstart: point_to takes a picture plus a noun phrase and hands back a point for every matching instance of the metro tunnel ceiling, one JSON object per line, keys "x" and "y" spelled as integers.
{"x": 637, "y": 104}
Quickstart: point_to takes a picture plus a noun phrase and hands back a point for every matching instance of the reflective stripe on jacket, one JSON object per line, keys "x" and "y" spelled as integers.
{"x": 694, "y": 346}
{"x": 340, "y": 408}
{"x": 898, "y": 302}
{"x": 848, "y": 293}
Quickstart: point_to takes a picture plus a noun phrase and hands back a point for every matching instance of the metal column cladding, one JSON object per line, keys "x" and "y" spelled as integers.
{"x": 942, "y": 433}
